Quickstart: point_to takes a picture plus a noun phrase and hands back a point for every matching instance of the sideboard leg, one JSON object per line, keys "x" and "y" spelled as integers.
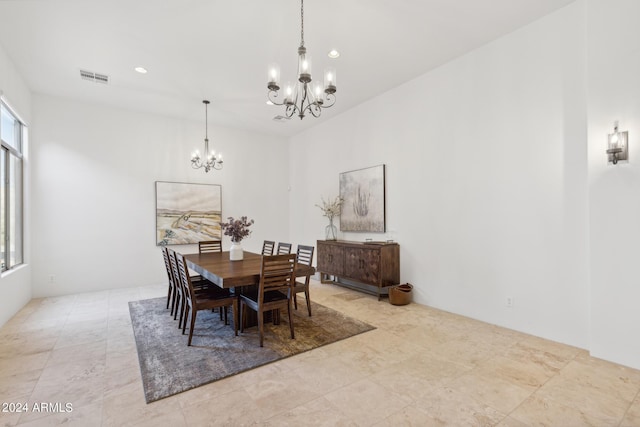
{"x": 324, "y": 278}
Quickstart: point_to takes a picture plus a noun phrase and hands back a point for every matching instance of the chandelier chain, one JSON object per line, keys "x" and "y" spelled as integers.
{"x": 301, "y": 22}
{"x": 206, "y": 121}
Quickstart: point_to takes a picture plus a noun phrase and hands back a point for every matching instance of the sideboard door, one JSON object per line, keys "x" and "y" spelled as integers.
{"x": 362, "y": 265}
{"x": 330, "y": 258}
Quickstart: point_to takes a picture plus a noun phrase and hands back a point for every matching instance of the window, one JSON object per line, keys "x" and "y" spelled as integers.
{"x": 11, "y": 135}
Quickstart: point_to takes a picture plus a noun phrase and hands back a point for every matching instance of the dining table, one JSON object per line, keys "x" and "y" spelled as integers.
{"x": 217, "y": 268}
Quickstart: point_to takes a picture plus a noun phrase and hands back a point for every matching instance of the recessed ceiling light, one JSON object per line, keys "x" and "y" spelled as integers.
{"x": 141, "y": 70}
{"x": 333, "y": 54}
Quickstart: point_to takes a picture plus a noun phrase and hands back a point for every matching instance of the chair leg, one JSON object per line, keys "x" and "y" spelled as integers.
{"x": 187, "y": 307}
{"x": 169, "y": 298}
{"x": 183, "y": 326}
{"x": 243, "y": 315}
{"x": 235, "y": 316}
{"x": 193, "y": 322}
{"x": 183, "y": 314}
{"x": 295, "y": 301}
{"x": 261, "y": 328}
{"x": 226, "y": 320}
{"x": 174, "y": 297}
{"x": 178, "y": 302}
{"x": 290, "y": 319}
{"x": 306, "y": 295}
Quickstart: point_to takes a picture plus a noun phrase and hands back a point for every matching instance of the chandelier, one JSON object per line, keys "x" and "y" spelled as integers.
{"x": 303, "y": 96}
{"x": 212, "y": 161}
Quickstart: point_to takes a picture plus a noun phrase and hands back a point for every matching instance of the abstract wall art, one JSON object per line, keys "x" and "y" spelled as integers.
{"x": 363, "y": 195}
{"x": 187, "y": 213}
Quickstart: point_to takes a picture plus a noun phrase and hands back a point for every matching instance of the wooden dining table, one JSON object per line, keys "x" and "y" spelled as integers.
{"x": 219, "y": 269}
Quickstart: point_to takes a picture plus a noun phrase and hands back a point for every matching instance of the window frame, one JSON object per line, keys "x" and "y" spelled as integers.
{"x": 12, "y": 154}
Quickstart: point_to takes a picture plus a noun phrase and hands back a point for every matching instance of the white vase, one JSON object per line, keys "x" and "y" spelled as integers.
{"x": 235, "y": 252}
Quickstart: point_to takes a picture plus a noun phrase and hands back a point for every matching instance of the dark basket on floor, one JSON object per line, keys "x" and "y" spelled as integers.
{"x": 401, "y": 294}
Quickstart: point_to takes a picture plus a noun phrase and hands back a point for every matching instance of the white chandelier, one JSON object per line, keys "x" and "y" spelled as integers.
{"x": 303, "y": 96}
{"x": 212, "y": 161}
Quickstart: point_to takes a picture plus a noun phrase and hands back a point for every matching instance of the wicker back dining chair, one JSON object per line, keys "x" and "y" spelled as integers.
{"x": 305, "y": 256}
{"x": 195, "y": 301}
{"x": 267, "y": 247}
{"x": 277, "y": 275}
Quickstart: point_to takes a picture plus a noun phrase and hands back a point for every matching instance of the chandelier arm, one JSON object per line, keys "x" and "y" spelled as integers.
{"x": 305, "y": 97}
{"x": 272, "y": 96}
{"x": 314, "y": 109}
{"x": 314, "y": 113}
{"x": 290, "y": 111}
{"x": 331, "y": 99}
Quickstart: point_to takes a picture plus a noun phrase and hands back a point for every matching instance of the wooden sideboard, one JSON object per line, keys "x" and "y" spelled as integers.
{"x": 371, "y": 266}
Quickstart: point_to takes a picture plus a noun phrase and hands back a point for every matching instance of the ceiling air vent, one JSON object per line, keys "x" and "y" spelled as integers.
{"x": 94, "y": 77}
{"x": 281, "y": 119}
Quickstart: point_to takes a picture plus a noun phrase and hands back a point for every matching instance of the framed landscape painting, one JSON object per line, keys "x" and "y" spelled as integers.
{"x": 363, "y": 195}
{"x": 187, "y": 213}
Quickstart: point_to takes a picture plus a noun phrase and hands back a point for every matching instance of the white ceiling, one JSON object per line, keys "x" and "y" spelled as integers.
{"x": 219, "y": 49}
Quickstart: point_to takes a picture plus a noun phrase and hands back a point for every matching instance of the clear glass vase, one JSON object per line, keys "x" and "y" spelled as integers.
{"x": 330, "y": 231}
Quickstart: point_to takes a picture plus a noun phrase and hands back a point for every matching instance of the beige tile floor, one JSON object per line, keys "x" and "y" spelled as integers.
{"x": 420, "y": 367}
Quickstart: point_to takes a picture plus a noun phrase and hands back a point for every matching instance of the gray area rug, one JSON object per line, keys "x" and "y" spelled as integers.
{"x": 169, "y": 366}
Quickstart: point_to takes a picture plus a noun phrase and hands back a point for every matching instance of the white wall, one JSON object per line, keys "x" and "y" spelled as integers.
{"x": 94, "y": 191}
{"x": 491, "y": 188}
{"x": 486, "y": 178}
{"x": 15, "y": 286}
{"x": 614, "y": 94}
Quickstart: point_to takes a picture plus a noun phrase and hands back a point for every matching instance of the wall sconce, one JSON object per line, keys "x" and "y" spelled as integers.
{"x": 617, "y": 145}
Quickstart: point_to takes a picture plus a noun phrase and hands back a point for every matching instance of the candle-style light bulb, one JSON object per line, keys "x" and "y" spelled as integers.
{"x": 273, "y": 79}
{"x": 330, "y": 80}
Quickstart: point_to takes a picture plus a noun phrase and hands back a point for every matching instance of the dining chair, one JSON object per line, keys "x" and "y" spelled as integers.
{"x": 277, "y": 274}
{"x": 199, "y": 284}
{"x": 180, "y": 297}
{"x": 283, "y": 248}
{"x": 196, "y": 301}
{"x": 172, "y": 292}
{"x": 267, "y": 247}
{"x": 304, "y": 256}
{"x": 207, "y": 246}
